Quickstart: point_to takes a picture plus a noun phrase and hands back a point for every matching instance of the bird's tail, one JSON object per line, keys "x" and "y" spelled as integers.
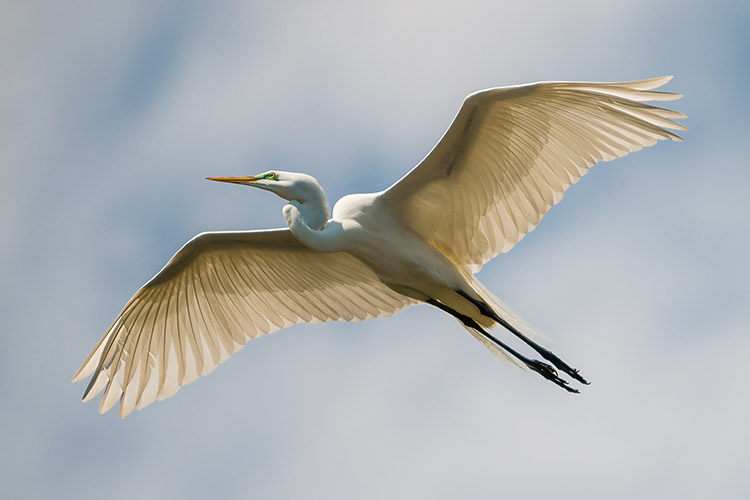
{"x": 497, "y": 351}
{"x": 492, "y": 307}
{"x": 510, "y": 317}
{"x": 506, "y": 312}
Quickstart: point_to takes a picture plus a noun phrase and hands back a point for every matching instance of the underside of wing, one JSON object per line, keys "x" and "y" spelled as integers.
{"x": 219, "y": 291}
{"x": 511, "y": 153}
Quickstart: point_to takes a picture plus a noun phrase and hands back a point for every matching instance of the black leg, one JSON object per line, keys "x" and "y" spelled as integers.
{"x": 545, "y": 353}
{"x": 541, "y": 368}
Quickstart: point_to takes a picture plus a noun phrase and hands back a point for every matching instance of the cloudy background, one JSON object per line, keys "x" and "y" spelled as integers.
{"x": 112, "y": 114}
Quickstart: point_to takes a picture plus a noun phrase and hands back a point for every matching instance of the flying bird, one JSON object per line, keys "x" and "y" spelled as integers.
{"x": 508, "y": 156}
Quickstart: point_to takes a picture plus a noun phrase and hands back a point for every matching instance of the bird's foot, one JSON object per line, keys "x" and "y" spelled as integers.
{"x": 560, "y": 364}
{"x": 548, "y": 372}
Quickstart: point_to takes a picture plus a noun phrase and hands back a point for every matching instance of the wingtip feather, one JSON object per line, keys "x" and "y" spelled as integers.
{"x": 89, "y": 366}
{"x": 97, "y": 384}
{"x": 648, "y": 83}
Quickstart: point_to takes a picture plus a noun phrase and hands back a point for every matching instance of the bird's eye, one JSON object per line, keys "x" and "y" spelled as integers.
{"x": 271, "y": 175}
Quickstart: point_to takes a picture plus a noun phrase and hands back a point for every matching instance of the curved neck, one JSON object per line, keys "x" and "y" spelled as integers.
{"x": 315, "y": 213}
{"x": 313, "y": 206}
{"x": 297, "y": 215}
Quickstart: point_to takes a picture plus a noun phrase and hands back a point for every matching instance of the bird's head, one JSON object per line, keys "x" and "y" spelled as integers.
{"x": 292, "y": 186}
{"x": 288, "y": 185}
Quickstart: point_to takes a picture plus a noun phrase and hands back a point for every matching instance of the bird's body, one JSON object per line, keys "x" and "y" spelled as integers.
{"x": 507, "y": 158}
{"x": 363, "y": 226}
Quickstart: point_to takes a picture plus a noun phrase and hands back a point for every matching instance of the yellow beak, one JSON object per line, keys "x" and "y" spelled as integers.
{"x": 234, "y": 180}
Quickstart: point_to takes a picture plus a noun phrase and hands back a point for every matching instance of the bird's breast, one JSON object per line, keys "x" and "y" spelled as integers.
{"x": 393, "y": 251}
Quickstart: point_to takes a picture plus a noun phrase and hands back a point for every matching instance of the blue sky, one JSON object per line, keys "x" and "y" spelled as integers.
{"x": 114, "y": 113}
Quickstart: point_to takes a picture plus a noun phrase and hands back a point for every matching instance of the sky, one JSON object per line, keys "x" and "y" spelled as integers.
{"x": 113, "y": 113}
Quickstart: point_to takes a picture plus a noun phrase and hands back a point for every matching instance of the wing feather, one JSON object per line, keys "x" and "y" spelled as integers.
{"x": 511, "y": 153}
{"x": 216, "y": 293}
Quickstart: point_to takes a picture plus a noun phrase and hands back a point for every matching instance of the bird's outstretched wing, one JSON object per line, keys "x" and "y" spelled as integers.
{"x": 220, "y": 290}
{"x": 511, "y": 153}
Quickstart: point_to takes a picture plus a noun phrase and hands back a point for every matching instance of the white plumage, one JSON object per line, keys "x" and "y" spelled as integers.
{"x": 508, "y": 156}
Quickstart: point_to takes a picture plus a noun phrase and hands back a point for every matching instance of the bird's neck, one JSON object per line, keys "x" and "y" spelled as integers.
{"x": 315, "y": 214}
{"x": 313, "y": 207}
{"x": 297, "y": 216}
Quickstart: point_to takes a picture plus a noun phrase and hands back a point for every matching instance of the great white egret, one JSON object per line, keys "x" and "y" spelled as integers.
{"x": 508, "y": 156}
